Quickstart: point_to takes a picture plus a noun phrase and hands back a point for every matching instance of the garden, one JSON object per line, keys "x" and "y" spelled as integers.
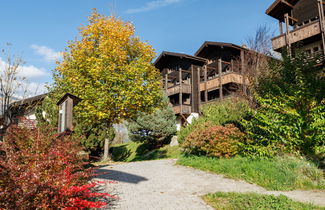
{"x": 275, "y": 138}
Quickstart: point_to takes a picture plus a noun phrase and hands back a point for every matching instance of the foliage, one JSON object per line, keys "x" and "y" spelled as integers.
{"x": 40, "y": 170}
{"x": 93, "y": 137}
{"x": 254, "y": 201}
{"x": 221, "y": 113}
{"x": 155, "y": 129}
{"x": 111, "y": 70}
{"x": 214, "y": 141}
{"x": 291, "y": 113}
{"x": 279, "y": 173}
{"x": 135, "y": 151}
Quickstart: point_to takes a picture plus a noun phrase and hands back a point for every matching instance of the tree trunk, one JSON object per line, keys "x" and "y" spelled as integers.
{"x": 106, "y": 149}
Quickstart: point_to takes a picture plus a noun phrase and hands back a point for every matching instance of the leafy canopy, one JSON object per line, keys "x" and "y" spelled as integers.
{"x": 110, "y": 69}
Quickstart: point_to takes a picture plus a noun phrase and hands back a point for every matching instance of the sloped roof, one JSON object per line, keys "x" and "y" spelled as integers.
{"x": 206, "y": 44}
{"x": 281, "y": 7}
{"x": 165, "y": 54}
{"x": 29, "y": 101}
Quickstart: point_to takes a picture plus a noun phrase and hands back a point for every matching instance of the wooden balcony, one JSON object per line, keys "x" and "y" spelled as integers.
{"x": 177, "y": 89}
{"x": 296, "y": 35}
{"x": 182, "y": 109}
{"x": 225, "y": 79}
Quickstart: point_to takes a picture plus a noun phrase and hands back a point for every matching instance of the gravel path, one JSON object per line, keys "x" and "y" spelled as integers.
{"x": 161, "y": 184}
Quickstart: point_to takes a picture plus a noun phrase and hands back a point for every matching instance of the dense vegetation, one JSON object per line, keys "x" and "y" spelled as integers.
{"x": 253, "y": 201}
{"x": 280, "y": 173}
{"x": 43, "y": 170}
{"x": 290, "y": 117}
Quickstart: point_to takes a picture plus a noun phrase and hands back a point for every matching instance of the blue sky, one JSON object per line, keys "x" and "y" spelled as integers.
{"x": 40, "y": 29}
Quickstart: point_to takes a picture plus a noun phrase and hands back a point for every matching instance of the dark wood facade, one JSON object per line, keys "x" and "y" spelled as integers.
{"x": 214, "y": 73}
{"x": 301, "y": 24}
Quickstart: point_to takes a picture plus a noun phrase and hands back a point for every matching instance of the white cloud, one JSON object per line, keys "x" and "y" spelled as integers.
{"x": 30, "y": 86}
{"x": 47, "y": 53}
{"x": 152, "y": 5}
{"x": 30, "y": 89}
{"x": 29, "y": 72}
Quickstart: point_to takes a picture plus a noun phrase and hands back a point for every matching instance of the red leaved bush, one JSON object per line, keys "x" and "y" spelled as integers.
{"x": 40, "y": 170}
{"x": 214, "y": 141}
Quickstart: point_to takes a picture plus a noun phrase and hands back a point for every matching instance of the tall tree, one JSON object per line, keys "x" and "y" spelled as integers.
{"x": 10, "y": 83}
{"x": 111, "y": 70}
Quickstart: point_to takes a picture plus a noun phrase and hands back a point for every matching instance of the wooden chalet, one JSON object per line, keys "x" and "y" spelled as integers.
{"x": 301, "y": 24}
{"x": 214, "y": 73}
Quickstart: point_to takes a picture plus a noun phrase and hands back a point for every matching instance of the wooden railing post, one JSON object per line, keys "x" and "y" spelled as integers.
{"x": 206, "y": 83}
{"x": 243, "y": 70}
{"x": 180, "y": 89}
{"x": 321, "y": 22}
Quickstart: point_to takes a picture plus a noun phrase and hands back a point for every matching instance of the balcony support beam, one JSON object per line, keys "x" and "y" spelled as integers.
{"x": 220, "y": 78}
{"x": 286, "y": 19}
{"x": 243, "y": 70}
{"x": 280, "y": 27}
{"x": 180, "y": 89}
{"x": 206, "y": 83}
{"x": 321, "y": 22}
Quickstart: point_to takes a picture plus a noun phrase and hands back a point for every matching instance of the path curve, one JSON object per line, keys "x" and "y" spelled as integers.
{"x": 160, "y": 184}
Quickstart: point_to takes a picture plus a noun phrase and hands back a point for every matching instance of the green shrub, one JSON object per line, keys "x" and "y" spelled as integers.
{"x": 155, "y": 129}
{"x": 214, "y": 141}
{"x": 291, "y": 112}
{"x": 220, "y": 113}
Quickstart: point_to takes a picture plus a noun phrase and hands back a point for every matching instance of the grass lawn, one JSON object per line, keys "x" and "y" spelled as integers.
{"x": 234, "y": 201}
{"x": 133, "y": 151}
{"x": 281, "y": 173}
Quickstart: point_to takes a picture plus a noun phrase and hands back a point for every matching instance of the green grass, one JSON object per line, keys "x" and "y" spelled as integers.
{"x": 281, "y": 173}
{"x": 133, "y": 151}
{"x": 238, "y": 201}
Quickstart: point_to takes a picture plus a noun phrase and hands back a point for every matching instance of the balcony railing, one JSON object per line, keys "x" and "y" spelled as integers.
{"x": 230, "y": 77}
{"x": 177, "y": 89}
{"x": 182, "y": 109}
{"x": 296, "y": 35}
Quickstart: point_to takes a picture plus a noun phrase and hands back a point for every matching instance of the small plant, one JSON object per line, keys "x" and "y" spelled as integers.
{"x": 221, "y": 113}
{"x": 40, "y": 170}
{"x": 155, "y": 129}
{"x": 214, "y": 141}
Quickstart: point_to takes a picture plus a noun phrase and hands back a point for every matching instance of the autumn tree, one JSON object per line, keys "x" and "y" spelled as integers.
{"x": 110, "y": 69}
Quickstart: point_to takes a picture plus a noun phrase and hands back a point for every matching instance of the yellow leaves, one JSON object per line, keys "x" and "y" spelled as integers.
{"x": 111, "y": 70}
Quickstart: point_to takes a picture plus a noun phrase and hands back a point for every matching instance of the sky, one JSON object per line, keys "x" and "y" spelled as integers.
{"x": 39, "y": 30}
